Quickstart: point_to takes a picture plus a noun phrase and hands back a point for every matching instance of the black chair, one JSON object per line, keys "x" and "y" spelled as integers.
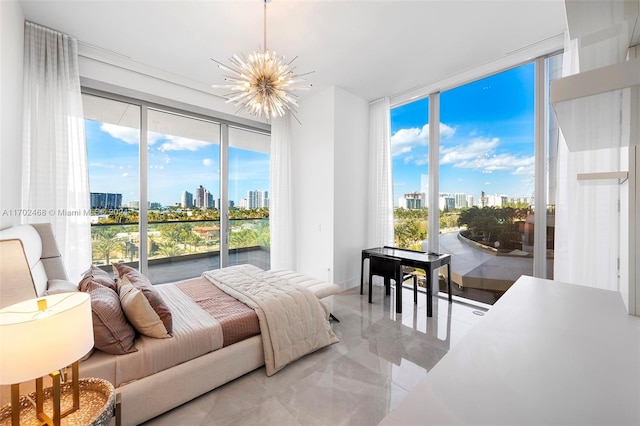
{"x": 390, "y": 269}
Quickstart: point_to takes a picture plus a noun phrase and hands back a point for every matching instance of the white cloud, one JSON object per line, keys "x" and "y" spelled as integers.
{"x": 125, "y": 134}
{"x": 125, "y": 175}
{"x": 476, "y": 149}
{"x": 129, "y": 134}
{"x": 525, "y": 170}
{"x": 207, "y": 162}
{"x": 404, "y": 140}
{"x": 177, "y": 143}
{"x": 480, "y": 154}
{"x": 102, "y": 165}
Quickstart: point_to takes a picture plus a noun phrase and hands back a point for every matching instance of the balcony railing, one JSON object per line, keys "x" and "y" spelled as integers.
{"x": 176, "y": 243}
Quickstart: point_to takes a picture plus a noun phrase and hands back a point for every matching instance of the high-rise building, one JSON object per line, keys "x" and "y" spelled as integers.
{"x": 257, "y": 199}
{"x": 460, "y": 200}
{"x": 208, "y": 199}
{"x": 470, "y": 201}
{"x": 412, "y": 201}
{"x": 497, "y": 200}
{"x": 187, "y": 200}
{"x": 199, "y": 199}
{"x": 105, "y": 200}
{"x": 446, "y": 202}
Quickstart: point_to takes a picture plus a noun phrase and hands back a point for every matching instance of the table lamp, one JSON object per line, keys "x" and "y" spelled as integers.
{"x": 42, "y": 336}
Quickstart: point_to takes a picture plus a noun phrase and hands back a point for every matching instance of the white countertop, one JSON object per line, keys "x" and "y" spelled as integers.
{"x": 545, "y": 353}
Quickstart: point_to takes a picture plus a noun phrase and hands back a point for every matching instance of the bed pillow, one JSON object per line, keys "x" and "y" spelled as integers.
{"x": 141, "y": 282}
{"x": 100, "y": 277}
{"x": 139, "y": 312}
{"x": 111, "y": 331}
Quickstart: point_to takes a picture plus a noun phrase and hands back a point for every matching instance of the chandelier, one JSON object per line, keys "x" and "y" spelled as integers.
{"x": 263, "y": 83}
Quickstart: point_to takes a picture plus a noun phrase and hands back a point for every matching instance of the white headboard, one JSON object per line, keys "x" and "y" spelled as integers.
{"x": 41, "y": 251}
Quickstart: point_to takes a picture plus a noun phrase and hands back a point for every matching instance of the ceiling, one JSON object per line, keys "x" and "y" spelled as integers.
{"x": 369, "y": 48}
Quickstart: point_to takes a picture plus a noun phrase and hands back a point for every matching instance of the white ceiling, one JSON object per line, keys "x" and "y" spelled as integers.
{"x": 370, "y": 48}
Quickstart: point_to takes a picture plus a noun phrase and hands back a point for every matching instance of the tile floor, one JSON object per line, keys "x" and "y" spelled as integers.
{"x": 381, "y": 356}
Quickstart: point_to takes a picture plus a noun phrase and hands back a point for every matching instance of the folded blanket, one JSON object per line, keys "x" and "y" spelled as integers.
{"x": 292, "y": 320}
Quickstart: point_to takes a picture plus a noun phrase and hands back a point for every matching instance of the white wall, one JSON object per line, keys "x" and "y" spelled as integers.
{"x": 330, "y": 167}
{"x": 312, "y": 174}
{"x": 11, "y": 48}
{"x": 350, "y": 186}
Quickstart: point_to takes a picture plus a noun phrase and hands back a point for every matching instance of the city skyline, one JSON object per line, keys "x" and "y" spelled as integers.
{"x": 459, "y": 200}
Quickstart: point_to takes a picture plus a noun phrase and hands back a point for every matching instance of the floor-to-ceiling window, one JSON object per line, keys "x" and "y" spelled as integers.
{"x": 487, "y": 181}
{"x": 158, "y": 179}
{"x": 410, "y": 154}
{"x": 486, "y": 178}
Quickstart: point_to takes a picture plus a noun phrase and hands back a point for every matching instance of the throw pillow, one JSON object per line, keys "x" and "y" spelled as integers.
{"x": 111, "y": 331}
{"x": 100, "y": 277}
{"x": 141, "y": 282}
{"x": 139, "y": 312}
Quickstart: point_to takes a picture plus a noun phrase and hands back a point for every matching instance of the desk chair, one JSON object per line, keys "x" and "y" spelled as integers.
{"x": 390, "y": 269}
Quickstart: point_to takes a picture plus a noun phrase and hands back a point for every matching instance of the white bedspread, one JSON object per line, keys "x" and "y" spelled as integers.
{"x": 292, "y": 320}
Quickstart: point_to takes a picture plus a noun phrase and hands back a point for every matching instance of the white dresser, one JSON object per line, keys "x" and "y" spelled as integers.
{"x": 545, "y": 353}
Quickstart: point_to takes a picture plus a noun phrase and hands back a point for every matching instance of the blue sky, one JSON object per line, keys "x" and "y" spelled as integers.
{"x": 174, "y": 164}
{"x": 486, "y": 138}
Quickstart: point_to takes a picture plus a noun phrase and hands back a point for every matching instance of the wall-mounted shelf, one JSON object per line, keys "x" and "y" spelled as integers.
{"x": 596, "y": 109}
{"x": 621, "y": 176}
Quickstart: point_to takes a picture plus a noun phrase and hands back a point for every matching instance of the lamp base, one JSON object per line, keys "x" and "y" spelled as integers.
{"x": 56, "y": 415}
{"x": 97, "y": 405}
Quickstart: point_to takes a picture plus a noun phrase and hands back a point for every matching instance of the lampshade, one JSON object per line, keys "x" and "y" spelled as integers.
{"x": 34, "y": 342}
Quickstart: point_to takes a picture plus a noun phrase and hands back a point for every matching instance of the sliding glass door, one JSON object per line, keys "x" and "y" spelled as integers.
{"x": 174, "y": 193}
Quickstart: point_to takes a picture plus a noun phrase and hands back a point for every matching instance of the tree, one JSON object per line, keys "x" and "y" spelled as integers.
{"x": 105, "y": 242}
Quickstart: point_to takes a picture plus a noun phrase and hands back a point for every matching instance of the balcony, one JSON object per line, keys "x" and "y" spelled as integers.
{"x": 181, "y": 249}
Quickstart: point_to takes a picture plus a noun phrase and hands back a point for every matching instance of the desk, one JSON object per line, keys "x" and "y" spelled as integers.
{"x": 416, "y": 259}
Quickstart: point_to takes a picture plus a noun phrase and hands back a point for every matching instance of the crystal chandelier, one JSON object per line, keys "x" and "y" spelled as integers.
{"x": 262, "y": 84}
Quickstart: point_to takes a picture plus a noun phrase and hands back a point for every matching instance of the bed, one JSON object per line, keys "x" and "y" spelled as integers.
{"x": 222, "y": 325}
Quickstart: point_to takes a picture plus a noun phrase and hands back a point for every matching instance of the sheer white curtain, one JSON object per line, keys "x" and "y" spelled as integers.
{"x": 587, "y": 222}
{"x": 280, "y": 201}
{"x": 380, "y": 208}
{"x": 55, "y": 181}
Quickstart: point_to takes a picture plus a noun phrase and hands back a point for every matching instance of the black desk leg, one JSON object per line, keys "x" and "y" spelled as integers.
{"x": 398, "y": 293}
{"x": 449, "y": 282}
{"x": 362, "y": 274}
{"x": 429, "y": 293}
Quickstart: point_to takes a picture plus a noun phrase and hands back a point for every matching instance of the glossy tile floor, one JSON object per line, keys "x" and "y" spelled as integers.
{"x": 381, "y": 356}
